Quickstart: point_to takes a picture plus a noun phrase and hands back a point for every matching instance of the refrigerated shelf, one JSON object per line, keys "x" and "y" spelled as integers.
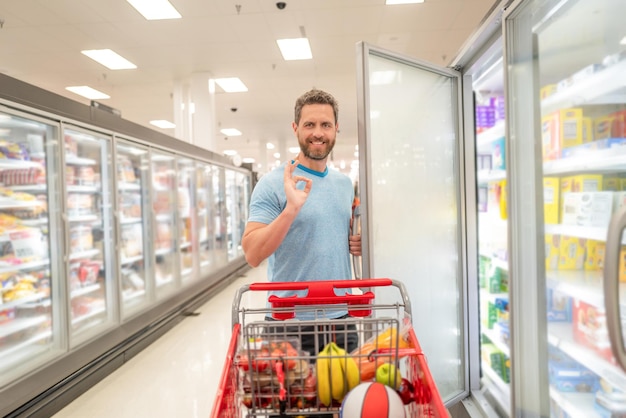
{"x": 577, "y": 405}
{"x": 603, "y": 87}
{"x": 499, "y": 389}
{"x": 560, "y": 336}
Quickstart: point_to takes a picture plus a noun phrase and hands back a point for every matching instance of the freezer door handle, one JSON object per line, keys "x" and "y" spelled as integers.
{"x": 611, "y": 286}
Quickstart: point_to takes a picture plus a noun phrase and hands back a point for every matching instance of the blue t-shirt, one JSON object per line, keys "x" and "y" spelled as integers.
{"x": 316, "y": 245}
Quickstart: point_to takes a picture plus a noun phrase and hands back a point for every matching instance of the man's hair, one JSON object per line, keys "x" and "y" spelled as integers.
{"x": 315, "y": 97}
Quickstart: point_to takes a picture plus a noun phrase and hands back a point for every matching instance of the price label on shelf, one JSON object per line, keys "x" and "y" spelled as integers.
{"x": 27, "y": 243}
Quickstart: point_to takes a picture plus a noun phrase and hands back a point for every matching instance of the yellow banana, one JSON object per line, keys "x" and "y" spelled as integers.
{"x": 353, "y": 374}
{"x": 337, "y": 374}
{"x": 322, "y": 368}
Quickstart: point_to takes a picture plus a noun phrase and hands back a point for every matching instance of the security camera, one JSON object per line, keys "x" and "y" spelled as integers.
{"x": 281, "y": 5}
{"x": 233, "y": 109}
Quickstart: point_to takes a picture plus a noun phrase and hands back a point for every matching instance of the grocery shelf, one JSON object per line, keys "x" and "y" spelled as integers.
{"x": 498, "y": 389}
{"x": 560, "y": 336}
{"x": 576, "y": 404}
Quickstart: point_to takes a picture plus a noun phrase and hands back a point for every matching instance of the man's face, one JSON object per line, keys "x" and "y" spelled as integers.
{"x": 316, "y": 131}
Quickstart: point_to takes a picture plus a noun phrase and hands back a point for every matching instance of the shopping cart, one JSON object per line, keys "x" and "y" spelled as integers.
{"x": 266, "y": 373}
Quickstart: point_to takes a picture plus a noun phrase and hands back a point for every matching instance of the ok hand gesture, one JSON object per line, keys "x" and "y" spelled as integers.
{"x": 295, "y": 196}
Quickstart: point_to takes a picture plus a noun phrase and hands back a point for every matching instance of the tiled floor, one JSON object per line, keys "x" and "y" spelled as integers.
{"x": 177, "y": 376}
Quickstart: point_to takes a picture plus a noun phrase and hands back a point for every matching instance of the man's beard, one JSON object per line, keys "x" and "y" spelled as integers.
{"x": 319, "y": 154}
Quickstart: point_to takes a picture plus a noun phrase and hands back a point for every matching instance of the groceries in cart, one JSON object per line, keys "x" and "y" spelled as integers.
{"x": 271, "y": 374}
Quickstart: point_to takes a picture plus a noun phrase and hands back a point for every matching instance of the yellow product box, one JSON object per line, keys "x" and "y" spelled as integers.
{"x": 552, "y": 251}
{"x": 503, "y": 205}
{"x": 560, "y": 129}
{"x": 594, "y": 257}
{"x": 602, "y": 127}
{"x": 571, "y": 253}
{"x": 547, "y": 90}
{"x": 587, "y": 130}
{"x": 581, "y": 183}
{"x": 611, "y": 183}
{"x": 551, "y": 201}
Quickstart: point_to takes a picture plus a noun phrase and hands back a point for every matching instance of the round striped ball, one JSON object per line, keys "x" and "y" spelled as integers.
{"x": 372, "y": 400}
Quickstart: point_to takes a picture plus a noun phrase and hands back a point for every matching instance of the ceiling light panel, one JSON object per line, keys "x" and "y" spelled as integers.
{"x": 163, "y": 124}
{"x": 109, "y": 59}
{"x": 295, "y": 49}
{"x": 88, "y": 92}
{"x": 155, "y": 9}
{"x": 230, "y": 132}
{"x": 231, "y": 84}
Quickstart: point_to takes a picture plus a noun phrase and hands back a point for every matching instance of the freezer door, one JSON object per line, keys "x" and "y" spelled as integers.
{"x": 187, "y": 219}
{"x": 164, "y": 208}
{"x": 89, "y": 228}
{"x": 32, "y": 314}
{"x": 133, "y": 211}
{"x": 411, "y": 199}
{"x": 566, "y": 78}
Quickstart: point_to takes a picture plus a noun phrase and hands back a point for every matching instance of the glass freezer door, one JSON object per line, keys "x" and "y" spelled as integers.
{"x": 164, "y": 210}
{"x": 411, "y": 199}
{"x": 187, "y": 219}
{"x": 32, "y": 320}
{"x": 566, "y": 83}
{"x": 88, "y": 215}
{"x": 133, "y": 212}
{"x": 204, "y": 211}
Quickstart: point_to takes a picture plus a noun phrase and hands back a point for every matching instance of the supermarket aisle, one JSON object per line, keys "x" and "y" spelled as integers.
{"x": 177, "y": 375}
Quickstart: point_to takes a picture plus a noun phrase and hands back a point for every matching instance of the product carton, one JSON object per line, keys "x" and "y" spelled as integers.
{"x": 571, "y": 253}
{"x": 579, "y": 183}
{"x": 559, "y": 306}
{"x": 618, "y": 126}
{"x": 611, "y": 183}
{"x": 590, "y": 328}
{"x": 560, "y": 129}
{"x": 551, "y": 201}
{"x": 552, "y": 251}
{"x": 547, "y": 91}
{"x": 498, "y": 155}
{"x": 593, "y": 209}
{"x": 602, "y": 127}
{"x": 587, "y": 130}
{"x": 594, "y": 257}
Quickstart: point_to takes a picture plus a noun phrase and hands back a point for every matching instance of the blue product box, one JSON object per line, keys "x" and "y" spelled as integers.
{"x": 498, "y": 155}
{"x": 559, "y": 307}
{"x": 570, "y": 376}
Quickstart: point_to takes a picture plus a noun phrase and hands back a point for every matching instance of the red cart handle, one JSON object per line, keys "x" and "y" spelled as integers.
{"x": 320, "y": 293}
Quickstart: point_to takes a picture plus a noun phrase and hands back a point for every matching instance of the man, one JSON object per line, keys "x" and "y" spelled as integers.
{"x": 300, "y": 215}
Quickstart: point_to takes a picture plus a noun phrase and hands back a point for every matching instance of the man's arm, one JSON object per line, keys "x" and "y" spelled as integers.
{"x": 261, "y": 240}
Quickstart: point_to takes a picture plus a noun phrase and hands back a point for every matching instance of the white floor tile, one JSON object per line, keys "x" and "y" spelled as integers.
{"x": 177, "y": 375}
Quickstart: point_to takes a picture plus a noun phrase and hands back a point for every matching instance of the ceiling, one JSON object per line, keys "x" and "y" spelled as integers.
{"x": 41, "y": 40}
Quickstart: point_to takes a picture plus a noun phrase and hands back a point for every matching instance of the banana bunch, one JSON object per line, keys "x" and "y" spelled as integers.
{"x": 337, "y": 374}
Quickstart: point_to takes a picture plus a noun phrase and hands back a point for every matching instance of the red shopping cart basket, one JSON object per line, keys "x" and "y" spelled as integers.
{"x": 267, "y": 374}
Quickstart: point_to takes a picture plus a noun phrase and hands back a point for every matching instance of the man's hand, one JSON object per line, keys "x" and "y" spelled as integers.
{"x": 354, "y": 241}
{"x": 295, "y": 196}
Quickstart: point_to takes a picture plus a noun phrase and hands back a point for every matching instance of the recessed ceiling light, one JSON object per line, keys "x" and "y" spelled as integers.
{"x": 109, "y": 59}
{"x": 230, "y": 132}
{"x": 88, "y": 92}
{"x": 155, "y": 9}
{"x": 230, "y": 152}
{"x": 277, "y": 155}
{"x": 231, "y": 84}
{"x": 294, "y": 150}
{"x": 248, "y": 160}
{"x": 163, "y": 124}
{"x": 390, "y": 2}
{"x": 269, "y": 145}
{"x": 295, "y": 49}
{"x": 623, "y": 41}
